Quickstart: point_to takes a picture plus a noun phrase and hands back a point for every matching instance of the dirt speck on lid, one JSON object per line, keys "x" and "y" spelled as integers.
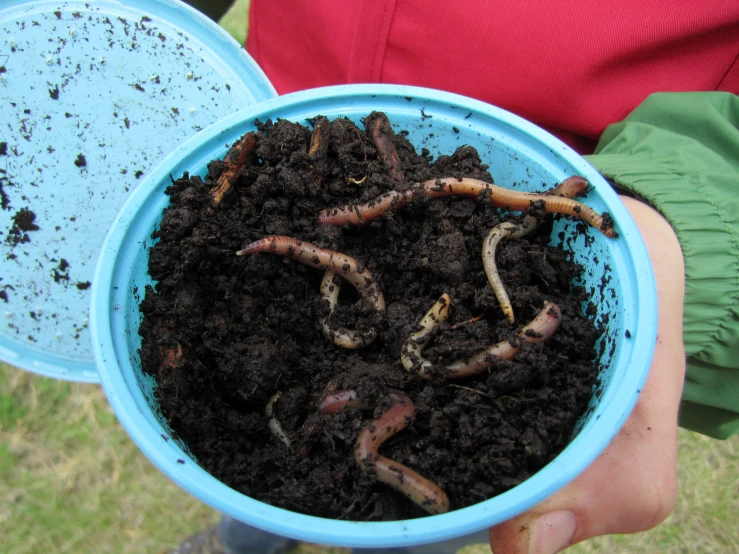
{"x": 23, "y": 223}
{"x": 61, "y": 272}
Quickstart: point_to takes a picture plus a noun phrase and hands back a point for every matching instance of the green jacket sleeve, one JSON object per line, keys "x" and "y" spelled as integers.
{"x": 680, "y": 152}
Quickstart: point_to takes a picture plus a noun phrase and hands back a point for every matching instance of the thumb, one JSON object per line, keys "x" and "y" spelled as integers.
{"x": 632, "y": 486}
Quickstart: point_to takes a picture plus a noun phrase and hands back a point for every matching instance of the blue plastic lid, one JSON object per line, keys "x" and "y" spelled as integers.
{"x": 93, "y": 94}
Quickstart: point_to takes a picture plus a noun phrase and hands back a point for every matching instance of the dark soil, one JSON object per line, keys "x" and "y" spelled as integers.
{"x": 23, "y": 223}
{"x": 248, "y": 327}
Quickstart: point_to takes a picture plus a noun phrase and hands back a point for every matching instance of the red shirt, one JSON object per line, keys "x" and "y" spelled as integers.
{"x": 570, "y": 66}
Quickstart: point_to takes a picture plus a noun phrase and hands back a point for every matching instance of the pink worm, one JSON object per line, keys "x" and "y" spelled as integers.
{"x": 332, "y": 262}
{"x": 337, "y": 401}
{"x": 321, "y": 258}
{"x": 415, "y": 487}
{"x": 357, "y": 214}
{"x": 539, "y": 329}
{"x": 569, "y": 188}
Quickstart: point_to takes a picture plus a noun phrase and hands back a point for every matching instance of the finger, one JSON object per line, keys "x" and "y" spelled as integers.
{"x": 632, "y": 486}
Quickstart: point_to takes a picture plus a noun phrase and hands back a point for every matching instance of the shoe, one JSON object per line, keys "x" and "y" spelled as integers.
{"x": 203, "y": 542}
{"x": 208, "y": 541}
{"x": 245, "y": 539}
{"x": 240, "y": 538}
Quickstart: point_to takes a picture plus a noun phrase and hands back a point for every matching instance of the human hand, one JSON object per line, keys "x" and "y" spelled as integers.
{"x": 632, "y": 486}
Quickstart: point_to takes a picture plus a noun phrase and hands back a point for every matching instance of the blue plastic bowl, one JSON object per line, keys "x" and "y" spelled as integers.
{"x": 520, "y": 155}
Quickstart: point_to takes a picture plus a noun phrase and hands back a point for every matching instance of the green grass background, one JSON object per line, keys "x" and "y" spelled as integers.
{"x": 236, "y": 20}
{"x": 72, "y": 481}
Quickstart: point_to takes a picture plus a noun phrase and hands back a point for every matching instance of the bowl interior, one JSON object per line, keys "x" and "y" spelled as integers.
{"x": 617, "y": 277}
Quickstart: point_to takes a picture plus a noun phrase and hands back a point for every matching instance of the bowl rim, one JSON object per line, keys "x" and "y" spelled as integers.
{"x": 582, "y": 450}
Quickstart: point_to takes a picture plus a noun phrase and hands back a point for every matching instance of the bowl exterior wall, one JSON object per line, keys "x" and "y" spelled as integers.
{"x": 617, "y": 276}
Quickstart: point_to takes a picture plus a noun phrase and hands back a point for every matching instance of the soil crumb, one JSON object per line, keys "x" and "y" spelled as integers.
{"x": 4, "y": 198}
{"x": 23, "y": 223}
{"x": 61, "y": 272}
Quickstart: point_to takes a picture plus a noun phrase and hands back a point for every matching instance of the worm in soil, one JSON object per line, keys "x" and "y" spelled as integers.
{"x": 419, "y": 490}
{"x": 318, "y": 140}
{"x": 568, "y": 188}
{"x": 333, "y": 263}
{"x": 274, "y": 423}
{"x": 233, "y": 162}
{"x": 341, "y": 336}
{"x": 539, "y": 329}
{"x": 411, "y": 355}
{"x": 170, "y": 359}
{"x": 336, "y": 401}
{"x": 379, "y": 129}
{"x": 357, "y": 214}
{"x": 331, "y": 404}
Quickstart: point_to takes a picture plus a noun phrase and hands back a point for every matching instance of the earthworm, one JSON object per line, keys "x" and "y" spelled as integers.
{"x": 233, "y": 162}
{"x": 411, "y": 353}
{"x": 489, "y": 246}
{"x": 170, "y": 358}
{"x": 571, "y": 187}
{"x": 274, "y": 423}
{"x": 418, "y": 489}
{"x": 346, "y": 338}
{"x": 539, "y": 329}
{"x": 336, "y": 401}
{"x": 327, "y": 391}
{"x": 334, "y": 263}
{"x": 568, "y": 188}
{"x": 357, "y": 214}
{"x": 378, "y": 126}
{"x": 318, "y": 145}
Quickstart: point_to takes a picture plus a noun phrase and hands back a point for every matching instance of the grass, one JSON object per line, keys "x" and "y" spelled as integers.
{"x": 236, "y": 19}
{"x": 72, "y": 481}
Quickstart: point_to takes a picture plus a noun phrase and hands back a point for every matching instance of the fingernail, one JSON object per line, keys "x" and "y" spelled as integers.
{"x": 552, "y": 532}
